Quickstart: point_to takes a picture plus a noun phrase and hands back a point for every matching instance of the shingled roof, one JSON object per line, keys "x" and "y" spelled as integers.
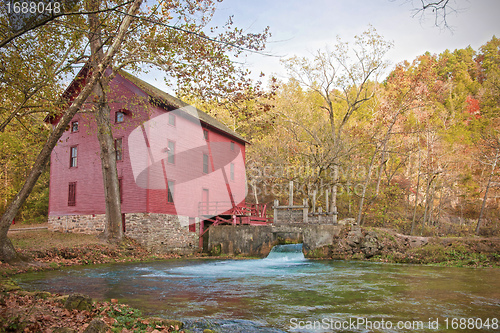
{"x": 162, "y": 98}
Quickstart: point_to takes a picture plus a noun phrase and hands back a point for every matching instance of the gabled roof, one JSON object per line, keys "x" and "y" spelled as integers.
{"x": 156, "y": 96}
{"x": 162, "y": 98}
{"x": 68, "y": 94}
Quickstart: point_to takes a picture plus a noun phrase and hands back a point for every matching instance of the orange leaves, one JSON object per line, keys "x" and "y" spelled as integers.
{"x": 473, "y": 107}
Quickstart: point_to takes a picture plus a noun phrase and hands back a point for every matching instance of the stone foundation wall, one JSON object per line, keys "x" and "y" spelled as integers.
{"x": 80, "y": 224}
{"x": 249, "y": 240}
{"x": 323, "y": 218}
{"x": 162, "y": 233}
{"x": 159, "y": 233}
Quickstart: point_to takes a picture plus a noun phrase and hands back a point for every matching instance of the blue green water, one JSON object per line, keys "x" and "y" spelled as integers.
{"x": 286, "y": 292}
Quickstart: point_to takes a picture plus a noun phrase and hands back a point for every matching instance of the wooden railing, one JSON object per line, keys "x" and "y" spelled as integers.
{"x": 242, "y": 212}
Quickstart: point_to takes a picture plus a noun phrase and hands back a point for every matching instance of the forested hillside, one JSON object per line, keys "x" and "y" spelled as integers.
{"x": 420, "y": 149}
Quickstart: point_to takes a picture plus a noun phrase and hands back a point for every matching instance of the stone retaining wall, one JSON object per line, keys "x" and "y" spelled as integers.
{"x": 160, "y": 233}
{"x": 323, "y": 218}
{"x": 286, "y": 216}
{"x": 258, "y": 240}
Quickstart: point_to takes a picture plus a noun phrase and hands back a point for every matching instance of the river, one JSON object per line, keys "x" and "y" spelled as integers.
{"x": 287, "y": 293}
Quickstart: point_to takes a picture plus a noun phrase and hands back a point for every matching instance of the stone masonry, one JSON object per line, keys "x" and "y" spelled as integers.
{"x": 159, "y": 233}
{"x": 81, "y": 224}
{"x": 162, "y": 233}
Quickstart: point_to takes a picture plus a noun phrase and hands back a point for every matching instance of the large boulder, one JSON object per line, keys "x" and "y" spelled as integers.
{"x": 63, "y": 330}
{"x": 78, "y": 302}
{"x": 371, "y": 245}
{"x": 96, "y": 326}
{"x": 354, "y": 237}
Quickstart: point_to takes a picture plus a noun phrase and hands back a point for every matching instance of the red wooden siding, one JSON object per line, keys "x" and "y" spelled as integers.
{"x": 151, "y": 141}
{"x": 146, "y": 133}
{"x": 88, "y": 172}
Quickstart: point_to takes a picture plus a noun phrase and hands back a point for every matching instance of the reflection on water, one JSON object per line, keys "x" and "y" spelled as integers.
{"x": 286, "y": 292}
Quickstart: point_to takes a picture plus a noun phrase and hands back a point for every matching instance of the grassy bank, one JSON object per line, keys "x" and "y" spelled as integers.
{"x": 23, "y": 311}
{"x": 458, "y": 252}
{"x": 50, "y": 250}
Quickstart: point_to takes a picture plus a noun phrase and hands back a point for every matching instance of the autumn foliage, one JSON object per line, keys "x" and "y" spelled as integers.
{"x": 418, "y": 155}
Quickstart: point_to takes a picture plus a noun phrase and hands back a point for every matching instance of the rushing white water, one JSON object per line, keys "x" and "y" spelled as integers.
{"x": 287, "y": 253}
{"x": 279, "y": 259}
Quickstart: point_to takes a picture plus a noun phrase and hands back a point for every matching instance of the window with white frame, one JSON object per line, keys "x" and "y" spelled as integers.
{"x": 73, "y": 160}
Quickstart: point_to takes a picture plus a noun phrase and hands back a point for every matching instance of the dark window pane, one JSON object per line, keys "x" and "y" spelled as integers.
{"x": 205, "y": 163}
{"x": 170, "y": 194}
{"x": 119, "y": 149}
{"x": 73, "y": 157}
{"x": 120, "y": 187}
{"x": 171, "y": 152}
{"x": 120, "y": 117}
{"x": 72, "y": 194}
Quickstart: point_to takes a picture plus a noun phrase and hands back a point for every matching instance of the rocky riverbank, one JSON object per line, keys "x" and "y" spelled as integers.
{"x": 357, "y": 243}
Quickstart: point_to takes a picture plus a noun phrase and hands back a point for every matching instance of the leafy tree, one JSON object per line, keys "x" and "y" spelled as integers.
{"x": 200, "y": 65}
{"x": 181, "y": 49}
{"x": 342, "y": 78}
{"x": 31, "y": 72}
{"x": 488, "y": 107}
{"x": 490, "y": 145}
{"x": 7, "y": 251}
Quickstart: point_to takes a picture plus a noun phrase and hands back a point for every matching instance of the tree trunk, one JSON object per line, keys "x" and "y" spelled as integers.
{"x": 431, "y": 205}
{"x": 365, "y": 186}
{"x": 7, "y": 251}
{"x": 439, "y": 208}
{"x": 334, "y": 195}
{"x": 381, "y": 167}
{"x": 113, "y": 230}
{"x": 493, "y": 166}
{"x": 416, "y": 197}
{"x": 384, "y": 147}
{"x": 428, "y": 199}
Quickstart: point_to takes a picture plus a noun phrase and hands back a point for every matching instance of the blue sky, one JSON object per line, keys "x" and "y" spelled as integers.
{"x": 300, "y": 27}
